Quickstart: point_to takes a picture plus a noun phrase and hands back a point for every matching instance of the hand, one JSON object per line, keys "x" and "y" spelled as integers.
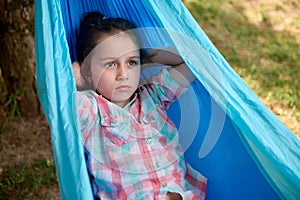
{"x": 173, "y": 196}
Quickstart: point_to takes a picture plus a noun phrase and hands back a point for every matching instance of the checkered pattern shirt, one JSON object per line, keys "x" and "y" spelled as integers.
{"x": 133, "y": 152}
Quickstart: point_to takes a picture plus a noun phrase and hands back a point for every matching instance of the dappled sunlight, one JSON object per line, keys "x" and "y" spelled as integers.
{"x": 260, "y": 40}
{"x": 285, "y": 115}
{"x": 282, "y": 15}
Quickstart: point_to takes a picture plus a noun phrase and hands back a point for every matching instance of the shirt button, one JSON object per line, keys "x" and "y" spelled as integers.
{"x": 148, "y": 141}
{"x": 153, "y": 117}
{"x": 164, "y": 185}
{"x": 157, "y": 164}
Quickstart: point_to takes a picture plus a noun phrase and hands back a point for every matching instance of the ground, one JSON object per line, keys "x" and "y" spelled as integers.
{"x": 24, "y": 143}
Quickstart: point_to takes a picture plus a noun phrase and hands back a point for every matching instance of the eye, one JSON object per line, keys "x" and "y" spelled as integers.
{"x": 133, "y": 63}
{"x": 110, "y": 64}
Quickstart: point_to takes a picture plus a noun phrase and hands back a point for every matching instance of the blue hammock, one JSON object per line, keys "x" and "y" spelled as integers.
{"x": 234, "y": 140}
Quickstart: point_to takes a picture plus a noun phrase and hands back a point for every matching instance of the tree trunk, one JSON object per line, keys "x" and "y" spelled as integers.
{"x": 17, "y": 54}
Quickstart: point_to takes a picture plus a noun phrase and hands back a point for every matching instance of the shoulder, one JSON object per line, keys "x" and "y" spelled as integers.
{"x": 87, "y": 99}
{"x": 164, "y": 82}
{"x": 161, "y": 89}
{"x": 162, "y": 77}
{"x": 88, "y": 109}
{"x": 87, "y": 94}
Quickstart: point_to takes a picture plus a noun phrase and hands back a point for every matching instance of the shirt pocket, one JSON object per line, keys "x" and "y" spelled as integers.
{"x": 155, "y": 118}
{"x": 116, "y": 131}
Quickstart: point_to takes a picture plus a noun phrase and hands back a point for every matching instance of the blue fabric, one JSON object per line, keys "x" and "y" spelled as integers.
{"x": 55, "y": 85}
{"x": 273, "y": 147}
{"x": 228, "y": 134}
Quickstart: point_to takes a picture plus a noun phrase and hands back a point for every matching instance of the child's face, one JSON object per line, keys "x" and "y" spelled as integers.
{"x": 115, "y": 68}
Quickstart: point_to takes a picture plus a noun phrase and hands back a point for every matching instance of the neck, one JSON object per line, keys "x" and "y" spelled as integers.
{"x": 121, "y": 104}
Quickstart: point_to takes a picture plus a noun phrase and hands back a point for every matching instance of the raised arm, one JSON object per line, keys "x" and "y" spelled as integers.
{"x": 180, "y": 72}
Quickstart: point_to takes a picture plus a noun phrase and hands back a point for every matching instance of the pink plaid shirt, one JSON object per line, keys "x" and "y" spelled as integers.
{"x": 133, "y": 152}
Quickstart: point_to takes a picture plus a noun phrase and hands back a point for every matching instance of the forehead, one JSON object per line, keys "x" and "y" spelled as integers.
{"x": 116, "y": 45}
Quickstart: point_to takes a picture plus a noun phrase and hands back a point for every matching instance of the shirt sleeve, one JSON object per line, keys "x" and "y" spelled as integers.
{"x": 197, "y": 181}
{"x": 164, "y": 89}
{"x": 87, "y": 110}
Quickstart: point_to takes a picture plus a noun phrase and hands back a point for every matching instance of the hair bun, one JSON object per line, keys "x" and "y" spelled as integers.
{"x": 92, "y": 16}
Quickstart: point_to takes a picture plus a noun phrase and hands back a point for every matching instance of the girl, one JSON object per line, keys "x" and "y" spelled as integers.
{"x": 131, "y": 146}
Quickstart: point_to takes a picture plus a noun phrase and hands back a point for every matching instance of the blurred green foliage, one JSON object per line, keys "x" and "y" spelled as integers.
{"x": 21, "y": 181}
{"x": 267, "y": 59}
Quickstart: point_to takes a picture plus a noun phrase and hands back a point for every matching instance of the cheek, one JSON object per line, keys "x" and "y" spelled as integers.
{"x": 97, "y": 75}
{"x": 106, "y": 84}
{"x": 136, "y": 75}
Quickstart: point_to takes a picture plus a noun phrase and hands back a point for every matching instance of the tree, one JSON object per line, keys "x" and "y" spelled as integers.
{"x": 17, "y": 55}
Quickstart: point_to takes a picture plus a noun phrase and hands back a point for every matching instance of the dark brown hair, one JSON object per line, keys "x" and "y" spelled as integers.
{"x": 94, "y": 26}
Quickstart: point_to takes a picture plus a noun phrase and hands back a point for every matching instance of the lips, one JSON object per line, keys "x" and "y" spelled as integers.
{"x": 123, "y": 88}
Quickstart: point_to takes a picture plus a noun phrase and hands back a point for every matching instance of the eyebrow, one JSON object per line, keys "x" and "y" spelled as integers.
{"x": 136, "y": 57}
{"x": 114, "y": 58}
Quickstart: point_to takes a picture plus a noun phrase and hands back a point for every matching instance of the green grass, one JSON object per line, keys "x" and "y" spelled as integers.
{"x": 268, "y": 60}
{"x": 20, "y": 181}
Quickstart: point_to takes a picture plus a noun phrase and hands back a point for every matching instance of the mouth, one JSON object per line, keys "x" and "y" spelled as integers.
{"x": 123, "y": 88}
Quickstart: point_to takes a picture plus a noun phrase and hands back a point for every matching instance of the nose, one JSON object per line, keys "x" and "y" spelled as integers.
{"x": 122, "y": 72}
